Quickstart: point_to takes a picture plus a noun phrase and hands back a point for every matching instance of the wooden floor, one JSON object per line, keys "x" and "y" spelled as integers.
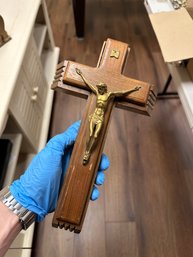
{"x": 146, "y": 206}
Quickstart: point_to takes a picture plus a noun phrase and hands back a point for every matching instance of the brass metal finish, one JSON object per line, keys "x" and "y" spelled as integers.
{"x": 103, "y": 97}
{"x": 115, "y": 53}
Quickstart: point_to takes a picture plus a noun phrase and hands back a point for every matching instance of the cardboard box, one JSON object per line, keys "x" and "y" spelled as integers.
{"x": 174, "y": 31}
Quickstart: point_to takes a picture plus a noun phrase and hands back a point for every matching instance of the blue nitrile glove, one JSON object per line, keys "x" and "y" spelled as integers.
{"x": 38, "y": 188}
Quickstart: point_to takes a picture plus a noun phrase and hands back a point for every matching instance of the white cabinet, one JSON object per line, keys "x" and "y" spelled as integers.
{"x": 28, "y": 63}
{"x": 29, "y": 97}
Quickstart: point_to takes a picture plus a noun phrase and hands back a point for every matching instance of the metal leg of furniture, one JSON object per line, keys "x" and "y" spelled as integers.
{"x": 167, "y": 95}
{"x": 79, "y": 16}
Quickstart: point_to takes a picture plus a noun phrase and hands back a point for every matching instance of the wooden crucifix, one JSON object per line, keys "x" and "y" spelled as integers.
{"x": 108, "y": 88}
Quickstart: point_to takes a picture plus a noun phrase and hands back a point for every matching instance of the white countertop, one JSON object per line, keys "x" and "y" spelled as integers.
{"x": 18, "y": 24}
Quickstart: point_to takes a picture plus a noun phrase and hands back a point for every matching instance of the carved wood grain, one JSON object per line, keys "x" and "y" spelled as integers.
{"x": 78, "y": 184}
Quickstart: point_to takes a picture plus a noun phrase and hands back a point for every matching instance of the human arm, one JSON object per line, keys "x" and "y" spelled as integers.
{"x": 10, "y": 228}
{"x": 79, "y": 72}
{"x": 38, "y": 189}
{"x": 122, "y": 93}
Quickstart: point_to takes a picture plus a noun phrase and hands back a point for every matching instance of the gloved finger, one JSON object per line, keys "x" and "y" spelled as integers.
{"x": 95, "y": 193}
{"x": 65, "y": 139}
{"x": 104, "y": 164}
{"x": 100, "y": 178}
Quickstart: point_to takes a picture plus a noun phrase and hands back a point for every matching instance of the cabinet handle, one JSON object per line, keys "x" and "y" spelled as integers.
{"x": 34, "y": 98}
{"x": 35, "y": 89}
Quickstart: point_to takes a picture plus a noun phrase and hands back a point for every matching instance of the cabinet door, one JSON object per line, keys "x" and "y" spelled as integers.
{"x": 29, "y": 97}
{"x": 26, "y": 111}
{"x": 34, "y": 72}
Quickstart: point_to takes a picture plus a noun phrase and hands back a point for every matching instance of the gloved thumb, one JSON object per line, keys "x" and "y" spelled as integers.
{"x": 65, "y": 139}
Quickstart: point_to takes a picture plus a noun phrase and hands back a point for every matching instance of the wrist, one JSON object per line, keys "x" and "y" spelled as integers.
{"x": 26, "y": 217}
{"x": 10, "y": 227}
{"x": 28, "y": 198}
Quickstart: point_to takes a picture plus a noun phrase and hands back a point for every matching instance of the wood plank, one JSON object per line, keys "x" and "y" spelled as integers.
{"x": 55, "y": 242}
{"x": 118, "y": 193}
{"x": 93, "y": 231}
{"x": 122, "y": 239}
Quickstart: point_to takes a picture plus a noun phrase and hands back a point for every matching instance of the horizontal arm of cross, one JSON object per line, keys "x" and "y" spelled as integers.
{"x": 70, "y": 82}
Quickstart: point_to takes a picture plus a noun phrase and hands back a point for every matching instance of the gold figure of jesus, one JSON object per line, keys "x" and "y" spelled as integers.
{"x": 96, "y": 119}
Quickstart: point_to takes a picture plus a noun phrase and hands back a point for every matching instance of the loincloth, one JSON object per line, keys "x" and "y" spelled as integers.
{"x": 95, "y": 118}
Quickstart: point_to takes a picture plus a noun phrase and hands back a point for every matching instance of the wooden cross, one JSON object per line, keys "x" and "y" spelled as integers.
{"x": 73, "y": 78}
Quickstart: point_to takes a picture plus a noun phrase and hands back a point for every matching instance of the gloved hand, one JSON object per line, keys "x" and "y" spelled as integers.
{"x": 38, "y": 188}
